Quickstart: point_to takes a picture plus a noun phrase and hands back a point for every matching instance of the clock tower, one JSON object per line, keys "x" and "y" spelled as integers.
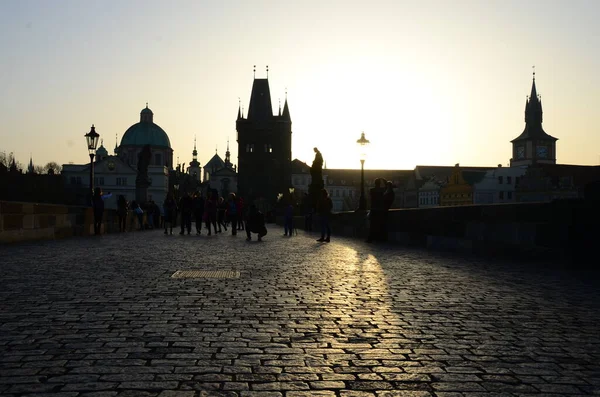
{"x": 534, "y": 145}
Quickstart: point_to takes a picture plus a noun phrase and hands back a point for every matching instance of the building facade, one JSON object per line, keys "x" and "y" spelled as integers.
{"x": 498, "y": 185}
{"x": 117, "y": 173}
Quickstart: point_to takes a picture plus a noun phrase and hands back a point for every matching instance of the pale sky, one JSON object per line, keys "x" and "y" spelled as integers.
{"x": 429, "y": 82}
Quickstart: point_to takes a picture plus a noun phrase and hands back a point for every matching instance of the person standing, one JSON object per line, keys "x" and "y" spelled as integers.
{"x": 186, "y": 205}
{"x": 288, "y": 220}
{"x": 98, "y": 207}
{"x": 198, "y": 211}
{"x": 377, "y": 211}
{"x": 122, "y": 212}
{"x": 324, "y": 208}
{"x": 388, "y": 201}
{"x": 170, "y": 209}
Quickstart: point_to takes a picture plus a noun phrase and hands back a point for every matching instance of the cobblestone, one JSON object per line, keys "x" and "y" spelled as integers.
{"x": 102, "y": 317}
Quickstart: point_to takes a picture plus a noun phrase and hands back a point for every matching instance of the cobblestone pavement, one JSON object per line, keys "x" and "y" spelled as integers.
{"x": 103, "y": 317}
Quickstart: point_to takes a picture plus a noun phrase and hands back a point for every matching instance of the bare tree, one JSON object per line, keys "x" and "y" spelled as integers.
{"x": 38, "y": 169}
{"x": 52, "y": 168}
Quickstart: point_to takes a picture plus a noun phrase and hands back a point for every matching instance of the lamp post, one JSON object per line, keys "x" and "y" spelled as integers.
{"x": 362, "y": 144}
{"x": 92, "y": 141}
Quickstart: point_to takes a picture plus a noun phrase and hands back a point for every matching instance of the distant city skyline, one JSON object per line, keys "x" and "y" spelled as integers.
{"x": 429, "y": 82}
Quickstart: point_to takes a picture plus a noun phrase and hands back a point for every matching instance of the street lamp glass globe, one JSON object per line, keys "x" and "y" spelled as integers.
{"x": 92, "y": 139}
{"x": 363, "y": 143}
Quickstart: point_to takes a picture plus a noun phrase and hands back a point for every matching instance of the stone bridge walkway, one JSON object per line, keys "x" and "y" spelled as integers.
{"x": 288, "y": 317}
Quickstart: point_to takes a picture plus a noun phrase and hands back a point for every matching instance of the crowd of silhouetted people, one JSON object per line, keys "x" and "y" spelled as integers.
{"x": 215, "y": 214}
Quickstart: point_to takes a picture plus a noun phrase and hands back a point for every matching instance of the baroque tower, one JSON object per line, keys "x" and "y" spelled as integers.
{"x": 534, "y": 145}
{"x": 264, "y": 147}
{"x": 194, "y": 168}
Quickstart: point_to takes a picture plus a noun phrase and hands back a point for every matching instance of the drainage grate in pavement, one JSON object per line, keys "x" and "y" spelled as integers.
{"x": 206, "y": 274}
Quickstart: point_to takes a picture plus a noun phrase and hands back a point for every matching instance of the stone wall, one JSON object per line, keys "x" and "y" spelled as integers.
{"x": 29, "y": 221}
{"x": 565, "y": 228}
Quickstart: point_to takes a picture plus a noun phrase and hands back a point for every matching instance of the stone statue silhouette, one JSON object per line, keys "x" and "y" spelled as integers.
{"x": 142, "y": 179}
{"x": 316, "y": 170}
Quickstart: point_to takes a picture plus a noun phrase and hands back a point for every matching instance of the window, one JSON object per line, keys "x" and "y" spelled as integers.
{"x": 500, "y": 180}
{"x": 501, "y": 195}
{"x": 121, "y": 181}
{"x": 509, "y": 195}
{"x": 99, "y": 181}
{"x": 268, "y": 148}
{"x": 509, "y": 179}
{"x": 73, "y": 180}
{"x": 79, "y": 180}
{"x": 517, "y": 179}
{"x": 249, "y": 148}
{"x": 157, "y": 159}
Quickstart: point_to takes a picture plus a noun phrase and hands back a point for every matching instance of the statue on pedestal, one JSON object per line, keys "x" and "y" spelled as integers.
{"x": 316, "y": 184}
{"x": 142, "y": 181}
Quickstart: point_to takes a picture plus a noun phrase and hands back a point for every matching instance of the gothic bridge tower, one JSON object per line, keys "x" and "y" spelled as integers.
{"x": 264, "y": 147}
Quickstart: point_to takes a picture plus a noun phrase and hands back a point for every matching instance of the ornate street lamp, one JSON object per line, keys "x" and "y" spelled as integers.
{"x": 91, "y": 139}
{"x": 362, "y": 144}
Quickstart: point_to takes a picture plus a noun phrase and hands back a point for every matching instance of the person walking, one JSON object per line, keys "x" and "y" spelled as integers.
{"x": 170, "y": 209}
{"x": 221, "y": 208}
{"x": 324, "y": 208}
{"x": 210, "y": 211}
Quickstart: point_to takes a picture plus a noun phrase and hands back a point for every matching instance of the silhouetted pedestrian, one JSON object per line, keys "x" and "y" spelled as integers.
{"x": 255, "y": 223}
{"x": 324, "y": 208}
{"x": 376, "y": 212}
{"x": 170, "y": 209}
{"x": 186, "y": 206}
{"x": 198, "y": 211}
{"x": 122, "y": 205}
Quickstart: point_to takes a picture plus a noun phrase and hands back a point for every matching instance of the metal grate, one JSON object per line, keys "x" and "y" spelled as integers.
{"x": 206, "y": 274}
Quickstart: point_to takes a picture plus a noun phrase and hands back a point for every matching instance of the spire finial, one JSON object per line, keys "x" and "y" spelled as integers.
{"x": 146, "y": 105}
{"x": 254, "y": 71}
{"x": 286, "y": 93}
{"x": 267, "y": 71}
{"x": 227, "y": 143}
{"x": 216, "y": 149}
{"x": 533, "y": 67}
{"x": 194, "y": 141}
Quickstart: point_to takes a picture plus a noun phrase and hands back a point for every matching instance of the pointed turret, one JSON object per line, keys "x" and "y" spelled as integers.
{"x": 286, "y": 112}
{"x": 260, "y": 108}
{"x": 228, "y": 156}
{"x": 239, "y": 116}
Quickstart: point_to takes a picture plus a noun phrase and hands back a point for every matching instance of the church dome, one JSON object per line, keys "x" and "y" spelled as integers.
{"x": 146, "y": 132}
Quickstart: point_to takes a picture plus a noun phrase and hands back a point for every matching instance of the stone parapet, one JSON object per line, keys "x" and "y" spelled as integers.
{"x": 552, "y": 229}
{"x": 29, "y": 221}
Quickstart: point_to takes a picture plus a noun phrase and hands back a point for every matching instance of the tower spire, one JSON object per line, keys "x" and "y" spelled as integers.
{"x": 267, "y": 71}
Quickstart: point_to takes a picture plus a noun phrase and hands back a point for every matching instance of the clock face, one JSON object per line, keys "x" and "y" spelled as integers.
{"x": 542, "y": 152}
{"x": 520, "y": 152}
{"x": 111, "y": 165}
